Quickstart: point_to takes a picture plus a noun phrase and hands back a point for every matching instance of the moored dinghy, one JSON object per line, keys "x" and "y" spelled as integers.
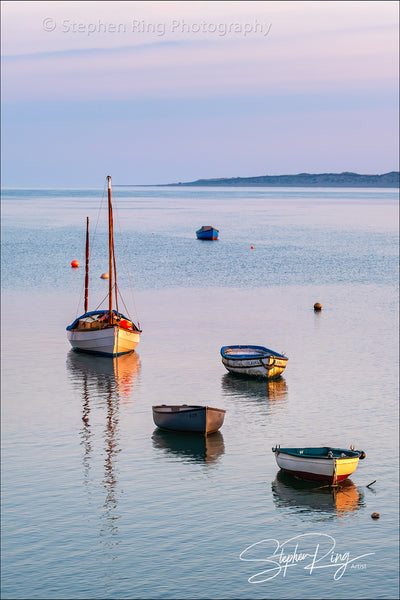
{"x": 325, "y": 464}
{"x": 207, "y": 232}
{"x": 256, "y": 361}
{"x": 188, "y": 418}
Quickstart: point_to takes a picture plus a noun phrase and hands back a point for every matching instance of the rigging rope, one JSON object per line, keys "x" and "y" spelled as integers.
{"x": 129, "y": 274}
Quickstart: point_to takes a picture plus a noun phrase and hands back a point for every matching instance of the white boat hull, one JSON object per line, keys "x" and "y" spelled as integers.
{"x": 110, "y": 341}
{"x": 255, "y": 368}
{"x": 254, "y": 361}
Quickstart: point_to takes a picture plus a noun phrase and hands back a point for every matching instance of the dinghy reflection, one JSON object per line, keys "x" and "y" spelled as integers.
{"x": 104, "y": 384}
{"x": 190, "y": 447}
{"x": 311, "y": 499}
{"x": 274, "y": 390}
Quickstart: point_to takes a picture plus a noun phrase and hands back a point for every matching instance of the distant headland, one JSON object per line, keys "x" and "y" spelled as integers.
{"x": 387, "y": 180}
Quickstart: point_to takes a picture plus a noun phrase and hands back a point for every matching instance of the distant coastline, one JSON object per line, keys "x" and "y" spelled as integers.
{"x": 386, "y": 180}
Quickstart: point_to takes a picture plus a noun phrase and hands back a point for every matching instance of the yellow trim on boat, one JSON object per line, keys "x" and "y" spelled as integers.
{"x": 346, "y": 466}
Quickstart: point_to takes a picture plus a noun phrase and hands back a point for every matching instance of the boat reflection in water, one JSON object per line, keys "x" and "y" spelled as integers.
{"x": 102, "y": 373}
{"x": 190, "y": 447}
{"x": 311, "y": 499}
{"x": 104, "y": 383}
{"x": 274, "y": 390}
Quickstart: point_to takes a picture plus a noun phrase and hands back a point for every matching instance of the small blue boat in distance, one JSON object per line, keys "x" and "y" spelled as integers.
{"x": 206, "y": 232}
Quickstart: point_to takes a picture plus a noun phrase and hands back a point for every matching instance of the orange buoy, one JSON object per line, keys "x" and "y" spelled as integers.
{"x": 74, "y": 264}
{"x": 252, "y": 247}
{"x": 375, "y": 515}
{"x": 317, "y": 306}
{"x": 104, "y": 276}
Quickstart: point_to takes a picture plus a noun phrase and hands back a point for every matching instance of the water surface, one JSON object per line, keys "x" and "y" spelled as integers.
{"x": 98, "y": 503}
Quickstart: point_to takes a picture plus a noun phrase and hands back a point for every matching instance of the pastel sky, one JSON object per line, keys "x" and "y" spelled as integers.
{"x": 160, "y": 92}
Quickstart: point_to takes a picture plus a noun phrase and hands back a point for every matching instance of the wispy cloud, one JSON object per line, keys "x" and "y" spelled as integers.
{"x": 191, "y": 68}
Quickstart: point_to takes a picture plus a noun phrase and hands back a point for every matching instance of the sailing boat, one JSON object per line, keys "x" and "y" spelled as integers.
{"x": 106, "y": 332}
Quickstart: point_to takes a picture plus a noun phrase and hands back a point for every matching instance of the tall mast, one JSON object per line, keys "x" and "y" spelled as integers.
{"x": 110, "y": 249}
{"x": 87, "y": 266}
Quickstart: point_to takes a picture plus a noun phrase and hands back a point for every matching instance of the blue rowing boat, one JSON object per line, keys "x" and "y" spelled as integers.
{"x": 206, "y": 232}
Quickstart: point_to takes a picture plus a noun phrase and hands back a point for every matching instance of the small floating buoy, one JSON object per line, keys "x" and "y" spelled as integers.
{"x": 74, "y": 264}
{"x": 317, "y": 306}
{"x": 104, "y": 276}
{"x": 375, "y": 515}
{"x": 252, "y": 247}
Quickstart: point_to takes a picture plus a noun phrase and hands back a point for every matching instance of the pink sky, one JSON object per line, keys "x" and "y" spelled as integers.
{"x": 156, "y": 92}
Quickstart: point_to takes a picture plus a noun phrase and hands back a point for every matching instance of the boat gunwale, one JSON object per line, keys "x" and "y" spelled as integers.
{"x": 205, "y": 228}
{"x": 105, "y": 312}
{"x": 260, "y": 352}
{"x": 184, "y": 408}
{"x": 295, "y": 453}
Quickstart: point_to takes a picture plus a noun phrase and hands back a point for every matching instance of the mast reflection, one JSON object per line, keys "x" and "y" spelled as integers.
{"x": 104, "y": 384}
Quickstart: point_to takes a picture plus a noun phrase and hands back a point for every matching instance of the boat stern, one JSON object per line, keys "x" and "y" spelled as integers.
{"x": 344, "y": 467}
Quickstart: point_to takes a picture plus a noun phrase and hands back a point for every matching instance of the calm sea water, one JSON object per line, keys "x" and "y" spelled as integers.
{"x": 98, "y": 503}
